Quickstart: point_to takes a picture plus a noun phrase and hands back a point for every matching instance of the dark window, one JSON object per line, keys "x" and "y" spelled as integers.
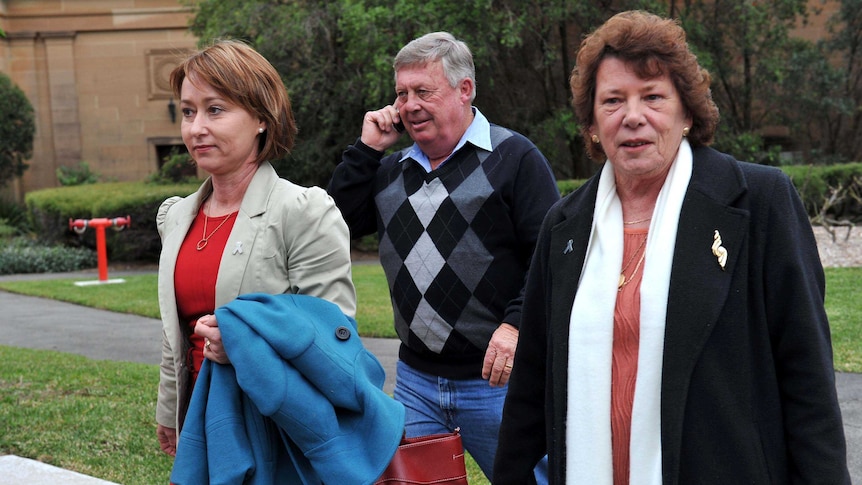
{"x": 163, "y": 152}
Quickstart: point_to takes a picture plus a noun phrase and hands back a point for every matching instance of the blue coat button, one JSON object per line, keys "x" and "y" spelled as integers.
{"x": 342, "y": 333}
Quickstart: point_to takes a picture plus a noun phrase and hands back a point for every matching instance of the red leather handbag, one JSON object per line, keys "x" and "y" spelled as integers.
{"x": 432, "y": 459}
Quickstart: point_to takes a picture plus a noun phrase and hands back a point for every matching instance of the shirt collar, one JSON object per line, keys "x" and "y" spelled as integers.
{"x": 478, "y": 134}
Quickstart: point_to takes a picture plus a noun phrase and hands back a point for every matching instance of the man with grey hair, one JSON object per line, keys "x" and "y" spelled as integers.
{"x": 457, "y": 215}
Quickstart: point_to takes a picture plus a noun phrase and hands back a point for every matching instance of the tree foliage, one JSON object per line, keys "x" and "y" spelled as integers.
{"x": 837, "y": 82}
{"x": 849, "y": 42}
{"x": 744, "y": 45}
{"x": 765, "y": 78}
{"x": 335, "y": 57}
{"x": 17, "y": 129}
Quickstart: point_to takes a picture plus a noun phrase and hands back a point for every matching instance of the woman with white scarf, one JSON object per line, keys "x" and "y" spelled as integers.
{"x": 673, "y": 326}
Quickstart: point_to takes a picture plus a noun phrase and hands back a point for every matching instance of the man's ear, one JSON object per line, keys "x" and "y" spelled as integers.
{"x": 466, "y": 88}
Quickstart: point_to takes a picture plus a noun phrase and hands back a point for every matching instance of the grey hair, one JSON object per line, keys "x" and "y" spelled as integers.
{"x": 454, "y": 54}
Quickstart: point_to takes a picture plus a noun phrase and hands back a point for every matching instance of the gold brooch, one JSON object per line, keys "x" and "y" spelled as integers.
{"x": 718, "y": 250}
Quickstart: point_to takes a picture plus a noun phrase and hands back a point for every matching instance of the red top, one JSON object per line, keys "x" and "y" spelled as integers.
{"x": 625, "y": 352}
{"x": 195, "y": 277}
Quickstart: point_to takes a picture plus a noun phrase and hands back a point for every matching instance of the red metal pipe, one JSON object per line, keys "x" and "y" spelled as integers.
{"x": 80, "y": 225}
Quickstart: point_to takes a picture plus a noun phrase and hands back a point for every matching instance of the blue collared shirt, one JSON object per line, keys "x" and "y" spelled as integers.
{"x": 478, "y": 134}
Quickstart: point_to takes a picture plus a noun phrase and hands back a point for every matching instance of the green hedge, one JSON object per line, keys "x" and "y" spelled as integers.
{"x": 20, "y": 256}
{"x": 568, "y": 186}
{"x": 816, "y": 184}
{"x": 51, "y": 209}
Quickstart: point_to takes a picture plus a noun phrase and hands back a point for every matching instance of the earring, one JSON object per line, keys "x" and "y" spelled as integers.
{"x": 685, "y": 132}
{"x": 260, "y": 130}
{"x": 595, "y": 139}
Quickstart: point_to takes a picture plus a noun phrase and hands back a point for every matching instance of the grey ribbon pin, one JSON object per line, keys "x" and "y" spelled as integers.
{"x": 568, "y": 247}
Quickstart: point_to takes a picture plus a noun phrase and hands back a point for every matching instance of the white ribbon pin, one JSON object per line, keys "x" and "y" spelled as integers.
{"x": 238, "y": 248}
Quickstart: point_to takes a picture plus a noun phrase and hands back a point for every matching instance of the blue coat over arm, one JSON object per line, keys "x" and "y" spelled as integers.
{"x": 301, "y": 402}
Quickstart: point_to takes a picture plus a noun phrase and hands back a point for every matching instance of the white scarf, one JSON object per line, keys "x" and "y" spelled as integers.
{"x": 591, "y": 331}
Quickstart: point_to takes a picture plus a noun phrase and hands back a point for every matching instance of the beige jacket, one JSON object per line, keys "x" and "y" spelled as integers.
{"x": 292, "y": 239}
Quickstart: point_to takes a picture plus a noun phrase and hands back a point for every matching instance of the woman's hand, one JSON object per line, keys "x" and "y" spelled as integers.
{"x": 207, "y": 327}
{"x": 167, "y": 439}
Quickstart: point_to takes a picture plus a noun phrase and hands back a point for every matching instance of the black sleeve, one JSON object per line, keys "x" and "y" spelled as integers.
{"x": 522, "y": 439}
{"x": 352, "y": 188}
{"x": 794, "y": 306}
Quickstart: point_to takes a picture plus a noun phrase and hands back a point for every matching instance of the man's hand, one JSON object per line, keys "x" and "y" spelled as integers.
{"x": 500, "y": 355}
{"x": 378, "y": 128}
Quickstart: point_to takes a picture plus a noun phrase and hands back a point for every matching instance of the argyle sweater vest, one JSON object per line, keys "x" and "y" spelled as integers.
{"x": 453, "y": 249}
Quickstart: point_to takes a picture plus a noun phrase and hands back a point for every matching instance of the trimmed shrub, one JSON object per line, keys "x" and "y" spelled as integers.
{"x": 568, "y": 186}
{"x": 13, "y": 219}
{"x": 833, "y": 192}
{"x": 177, "y": 169}
{"x": 51, "y": 210}
{"x": 23, "y": 256}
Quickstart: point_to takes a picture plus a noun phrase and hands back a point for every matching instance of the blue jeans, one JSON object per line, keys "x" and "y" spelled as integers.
{"x": 439, "y": 405}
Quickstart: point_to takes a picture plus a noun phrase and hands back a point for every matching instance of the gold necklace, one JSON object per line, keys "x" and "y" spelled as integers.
{"x": 205, "y": 239}
{"x": 623, "y": 280}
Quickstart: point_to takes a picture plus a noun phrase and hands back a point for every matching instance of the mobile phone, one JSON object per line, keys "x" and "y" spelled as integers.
{"x": 399, "y": 127}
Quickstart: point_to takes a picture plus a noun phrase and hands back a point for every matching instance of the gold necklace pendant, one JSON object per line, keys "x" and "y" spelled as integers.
{"x": 205, "y": 239}
{"x": 623, "y": 281}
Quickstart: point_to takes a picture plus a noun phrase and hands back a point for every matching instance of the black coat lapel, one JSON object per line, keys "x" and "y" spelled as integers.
{"x": 568, "y": 249}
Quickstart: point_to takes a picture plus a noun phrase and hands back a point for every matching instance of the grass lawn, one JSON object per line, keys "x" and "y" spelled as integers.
{"x": 845, "y": 317}
{"x": 93, "y": 417}
{"x": 96, "y": 417}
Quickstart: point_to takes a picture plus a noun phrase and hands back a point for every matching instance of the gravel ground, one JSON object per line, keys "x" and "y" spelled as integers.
{"x": 844, "y": 250}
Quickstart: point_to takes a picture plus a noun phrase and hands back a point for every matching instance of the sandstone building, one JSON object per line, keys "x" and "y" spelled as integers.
{"x": 96, "y": 72}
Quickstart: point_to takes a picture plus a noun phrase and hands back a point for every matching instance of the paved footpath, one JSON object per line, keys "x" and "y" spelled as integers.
{"x": 39, "y": 323}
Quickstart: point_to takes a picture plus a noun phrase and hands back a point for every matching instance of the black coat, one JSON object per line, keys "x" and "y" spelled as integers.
{"x": 748, "y": 387}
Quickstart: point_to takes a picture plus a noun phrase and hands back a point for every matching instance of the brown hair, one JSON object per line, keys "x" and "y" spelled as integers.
{"x": 242, "y": 75}
{"x": 651, "y": 46}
